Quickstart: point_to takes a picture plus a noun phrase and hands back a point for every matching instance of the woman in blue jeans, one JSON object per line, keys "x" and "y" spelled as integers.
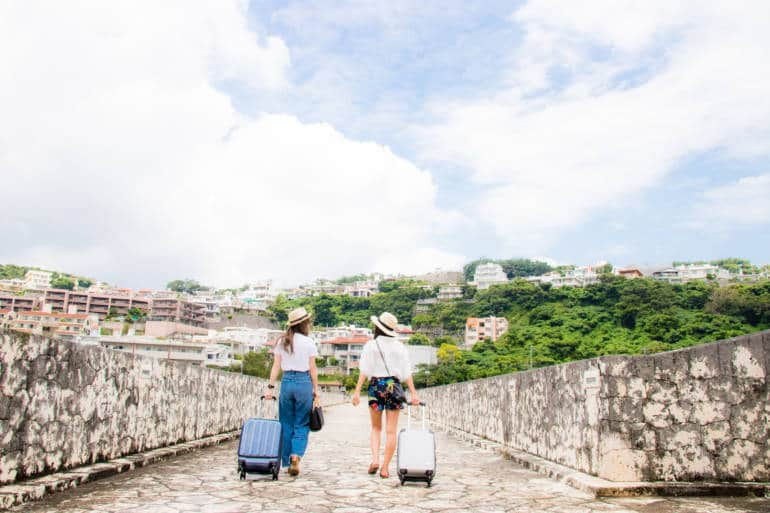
{"x": 295, "y": 355}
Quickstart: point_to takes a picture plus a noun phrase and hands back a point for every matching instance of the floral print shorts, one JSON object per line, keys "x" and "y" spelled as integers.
{"x": 380, "y": 394}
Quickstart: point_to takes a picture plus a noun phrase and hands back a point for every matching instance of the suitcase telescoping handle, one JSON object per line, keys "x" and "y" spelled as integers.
{"x": 409, "y": 414}
{"x": 261, "y": 403}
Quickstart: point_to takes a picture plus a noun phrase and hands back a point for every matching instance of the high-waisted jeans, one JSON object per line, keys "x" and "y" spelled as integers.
{"x": 294, "y": 405}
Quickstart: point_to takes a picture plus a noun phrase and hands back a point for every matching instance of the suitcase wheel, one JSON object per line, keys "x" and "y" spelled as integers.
{"x": 429, "y": 482}
{"x": 402, "y": 480}
{"x": 243, "y": 475}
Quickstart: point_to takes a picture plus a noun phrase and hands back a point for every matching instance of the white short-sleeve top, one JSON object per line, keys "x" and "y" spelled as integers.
{"x": 398, "y": 365}
{"x": 299, "y": 360}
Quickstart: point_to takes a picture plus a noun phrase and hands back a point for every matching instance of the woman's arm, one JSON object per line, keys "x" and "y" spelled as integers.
{"x": 407, "y": 372}
{"x": 357, "y": 392}
{"x": 314, "y": 376}
{"x": 273, "y": 374}
{"x": 412, "y": 391}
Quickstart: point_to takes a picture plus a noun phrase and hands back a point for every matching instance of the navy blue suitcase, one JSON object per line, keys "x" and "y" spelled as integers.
{"x": 259, "y": 450}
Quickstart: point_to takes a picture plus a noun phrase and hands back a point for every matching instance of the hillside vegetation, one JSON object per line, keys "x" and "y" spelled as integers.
{"x": 58, "y": 280}
{"x": 560, "y": 325}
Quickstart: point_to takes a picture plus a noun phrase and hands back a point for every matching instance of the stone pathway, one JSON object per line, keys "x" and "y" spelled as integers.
{"x": 334, "y": 479}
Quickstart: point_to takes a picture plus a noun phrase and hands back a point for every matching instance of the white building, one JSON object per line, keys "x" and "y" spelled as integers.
{"x": 242, "y": 340}
{"x": 37, "y": 280}
{"x": 422, "y": 355}
{"x": 489, "y": 274}
{"x": 449, "y": 292}
{"x": 576, "y": 277}
{"x": 195, "y": 353}
{"x": 685, "y": 273}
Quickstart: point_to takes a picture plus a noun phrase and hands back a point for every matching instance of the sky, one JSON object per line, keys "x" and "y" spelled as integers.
{"x": 235, "y": 141}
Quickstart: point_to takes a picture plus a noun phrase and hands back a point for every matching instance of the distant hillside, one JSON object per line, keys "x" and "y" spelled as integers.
{"x": 58, "y": 279}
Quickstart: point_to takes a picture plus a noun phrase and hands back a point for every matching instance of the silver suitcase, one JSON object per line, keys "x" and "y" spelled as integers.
{"x": 416, "y": 458}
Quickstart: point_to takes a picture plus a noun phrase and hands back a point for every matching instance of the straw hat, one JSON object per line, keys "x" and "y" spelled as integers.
{"x": 297, "y": 316}
{"x": 387, "y": 322}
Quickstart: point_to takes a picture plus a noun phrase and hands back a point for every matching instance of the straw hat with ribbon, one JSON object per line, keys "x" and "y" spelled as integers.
{"x": 298, "y": 316}
{"x": 387, "y": 322}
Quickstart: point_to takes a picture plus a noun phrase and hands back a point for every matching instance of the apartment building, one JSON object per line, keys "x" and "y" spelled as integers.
{"x": 487, "y": 275}
{"x": 12, "y": 285}
{"x": 37, "y": 280}
{"x": 16, "y": 303}
{"x": 50, "y": 323}
{"x": 61, "y": 300}
{"x": 478, "y": 329}
{"x": 177, "y": 310}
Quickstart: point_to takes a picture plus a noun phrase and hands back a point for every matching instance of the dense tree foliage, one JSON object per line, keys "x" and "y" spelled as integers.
{"x": 12, "y": 272}
{"x": 514, "y": 268}
{"x": 58, "y": 280}
{"x": 62, "y": 282}
{"x": 549, "y": 326}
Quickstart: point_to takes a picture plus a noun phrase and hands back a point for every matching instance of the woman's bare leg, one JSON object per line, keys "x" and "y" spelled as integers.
{"x": 376, "y": 434}
{"x": 390, "y": 437}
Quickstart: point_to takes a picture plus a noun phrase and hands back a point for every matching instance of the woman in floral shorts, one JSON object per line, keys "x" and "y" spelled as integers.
{"x": 385, "y": 361}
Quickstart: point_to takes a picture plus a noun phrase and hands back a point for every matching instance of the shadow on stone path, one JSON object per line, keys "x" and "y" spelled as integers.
{"x": 334, "y": 479}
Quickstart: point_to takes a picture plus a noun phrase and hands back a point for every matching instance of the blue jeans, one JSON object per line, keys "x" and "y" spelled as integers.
{"x": 294, "y": 405}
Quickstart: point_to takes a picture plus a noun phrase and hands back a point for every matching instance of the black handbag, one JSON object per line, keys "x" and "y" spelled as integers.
{"x": 316, "y": 418}
{"x": 398, "y": 393}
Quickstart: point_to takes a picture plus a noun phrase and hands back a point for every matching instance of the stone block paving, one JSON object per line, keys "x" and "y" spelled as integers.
{"x": 334, "y": 480}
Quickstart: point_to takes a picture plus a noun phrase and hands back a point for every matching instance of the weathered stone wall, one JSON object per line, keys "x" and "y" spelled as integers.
{"x": 64, "y": 404}
{"x": 701, "y": 413}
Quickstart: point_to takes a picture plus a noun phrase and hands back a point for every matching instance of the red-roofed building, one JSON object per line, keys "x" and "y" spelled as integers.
{"x": 346, "y": 350}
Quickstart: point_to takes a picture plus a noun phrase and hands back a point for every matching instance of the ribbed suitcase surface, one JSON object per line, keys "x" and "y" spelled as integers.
{"x": 416, "y": 452}
{"x": 260, "y": 438}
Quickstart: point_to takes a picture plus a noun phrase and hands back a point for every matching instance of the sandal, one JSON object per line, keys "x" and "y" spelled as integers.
{"x": 373, "y": 468}
{"x": 384, "y": 474}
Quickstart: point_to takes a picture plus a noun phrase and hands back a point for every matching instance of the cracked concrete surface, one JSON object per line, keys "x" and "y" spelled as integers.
{"x": 334, "y": 479}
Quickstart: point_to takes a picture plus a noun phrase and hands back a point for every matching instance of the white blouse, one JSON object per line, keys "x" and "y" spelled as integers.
{"x": 371, "y": 364}
{"x": 299, "y": 360}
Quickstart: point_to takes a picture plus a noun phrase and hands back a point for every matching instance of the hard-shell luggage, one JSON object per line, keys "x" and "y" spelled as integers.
{"x": 416, "y": 458}
{"x": 259, "y": 450}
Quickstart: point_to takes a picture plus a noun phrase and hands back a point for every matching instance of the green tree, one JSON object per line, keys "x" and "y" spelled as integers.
{"x": 447, "y": 353}
{"x": 62, "y": 282}
{"x": 257, "y": 363}
{"x": 418, "y": 339}
{"x": 136, "y": 314}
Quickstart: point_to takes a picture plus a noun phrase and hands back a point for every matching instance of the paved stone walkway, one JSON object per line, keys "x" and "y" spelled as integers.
{"x": 334, "y": 479}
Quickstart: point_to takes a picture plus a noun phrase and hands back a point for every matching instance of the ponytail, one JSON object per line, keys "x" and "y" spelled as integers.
{"x": 288, "y": 337}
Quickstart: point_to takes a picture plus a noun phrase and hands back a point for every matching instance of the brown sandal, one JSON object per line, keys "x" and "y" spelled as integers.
{"x": 373, "y": 468}
{"x": 384, "y": 474}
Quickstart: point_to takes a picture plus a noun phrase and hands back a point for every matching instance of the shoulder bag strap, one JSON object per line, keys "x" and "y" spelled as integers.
{"x": 382, "y": 356}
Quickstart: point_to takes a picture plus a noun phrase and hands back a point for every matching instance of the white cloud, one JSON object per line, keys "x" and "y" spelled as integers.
{"x": 608, "y": 98}
{"x": 121, "y": 158}
{"x": 742, "y": 203}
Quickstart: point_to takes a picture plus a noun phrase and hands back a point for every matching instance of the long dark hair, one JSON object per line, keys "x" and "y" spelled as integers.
{"x": 288, "y": 337}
